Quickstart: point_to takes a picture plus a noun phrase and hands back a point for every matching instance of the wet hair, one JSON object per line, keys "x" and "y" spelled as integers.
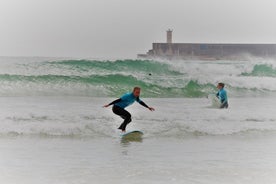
{"x": 221, "y": 84}
{"x": 136, "y": 88}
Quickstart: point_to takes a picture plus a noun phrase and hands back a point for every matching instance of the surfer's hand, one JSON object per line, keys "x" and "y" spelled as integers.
{"x": 151, "y": 109}
{"x": 106, "y": 105}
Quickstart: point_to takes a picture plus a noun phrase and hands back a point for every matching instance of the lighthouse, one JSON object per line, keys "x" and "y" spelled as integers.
{"x": 169, "y": 36}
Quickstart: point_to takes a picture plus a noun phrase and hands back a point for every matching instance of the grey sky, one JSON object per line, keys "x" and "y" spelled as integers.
{"x": 123, "y": 28}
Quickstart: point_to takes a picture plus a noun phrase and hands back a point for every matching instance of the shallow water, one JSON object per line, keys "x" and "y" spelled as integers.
{"x": 75, "y": 140}
{"x": 160, "y": 160}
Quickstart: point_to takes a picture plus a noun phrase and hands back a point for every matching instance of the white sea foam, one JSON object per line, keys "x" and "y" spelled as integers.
{"x": 180, "y": 118}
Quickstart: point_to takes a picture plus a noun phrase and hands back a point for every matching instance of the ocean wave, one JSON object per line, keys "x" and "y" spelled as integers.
{"x": 95, "y": 127}
{"x": 140, "y": 66}
{"x": 174, "y": 117}
{"x": 262, "y": 70}
{"x": 97, "y": 78}
{"x": 49, "y": 126}
{"x": 110, "y": 84}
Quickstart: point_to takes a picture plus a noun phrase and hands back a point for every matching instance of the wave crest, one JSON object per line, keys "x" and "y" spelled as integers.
{"x": 157, "y": 78}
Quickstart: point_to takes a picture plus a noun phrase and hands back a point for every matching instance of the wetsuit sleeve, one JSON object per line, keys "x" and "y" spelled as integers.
{"x": 115, "y": 101}
{"x": 141, "y": 102}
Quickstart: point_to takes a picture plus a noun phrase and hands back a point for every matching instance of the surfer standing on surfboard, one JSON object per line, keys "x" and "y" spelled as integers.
{"x": 127, "y": 99}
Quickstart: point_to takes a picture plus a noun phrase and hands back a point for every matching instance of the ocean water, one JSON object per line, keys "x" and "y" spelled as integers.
{"x": 54, "y": 129}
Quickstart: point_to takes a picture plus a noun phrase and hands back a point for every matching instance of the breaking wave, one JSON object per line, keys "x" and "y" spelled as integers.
{"x": 157, "y": 78}
{"x": 262, "y": 70}
{"x": 95, "y": 126}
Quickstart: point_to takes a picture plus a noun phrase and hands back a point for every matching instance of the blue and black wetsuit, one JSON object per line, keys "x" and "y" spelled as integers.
{"x": 222, "y": 95}
{"x": 120, "y": 104}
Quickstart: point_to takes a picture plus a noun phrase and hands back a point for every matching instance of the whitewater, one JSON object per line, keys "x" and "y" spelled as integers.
{"x": 54, "y": 128}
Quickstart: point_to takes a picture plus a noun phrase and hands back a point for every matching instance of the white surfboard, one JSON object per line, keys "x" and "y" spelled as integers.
{"x": 215, "y": 101}
{"x": 134, "y": 134}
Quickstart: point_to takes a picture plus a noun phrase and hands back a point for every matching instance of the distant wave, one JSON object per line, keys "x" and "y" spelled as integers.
{"x": 110, "y": 84}
{"x": 112, "y": 78}
{"x": 262, "y": 70}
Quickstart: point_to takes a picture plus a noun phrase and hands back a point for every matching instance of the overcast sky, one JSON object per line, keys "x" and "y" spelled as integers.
{"x": 123, "y": 28}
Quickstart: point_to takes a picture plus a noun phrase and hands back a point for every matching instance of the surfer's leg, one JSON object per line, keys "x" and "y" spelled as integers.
{"x": 124, "y": 114}
{"x": 224, "y": 105}
{"x": 127, "y": 120}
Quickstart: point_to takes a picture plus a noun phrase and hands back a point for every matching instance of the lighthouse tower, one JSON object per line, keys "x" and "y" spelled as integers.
{"x": 169, "y": 36}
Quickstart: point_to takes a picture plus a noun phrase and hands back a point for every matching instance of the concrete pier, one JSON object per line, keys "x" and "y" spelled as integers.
{"x": 209, "y": 51}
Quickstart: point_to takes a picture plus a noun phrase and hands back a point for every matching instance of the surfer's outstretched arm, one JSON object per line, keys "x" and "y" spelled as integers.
{"x": 115, "y": 101}
{"x": 145, "y": 105}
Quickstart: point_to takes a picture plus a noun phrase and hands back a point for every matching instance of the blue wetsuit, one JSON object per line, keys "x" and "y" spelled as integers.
{"x": 120, "y": 104}
{"x": 222, "y": 95}
{"x": 126, "y": 100}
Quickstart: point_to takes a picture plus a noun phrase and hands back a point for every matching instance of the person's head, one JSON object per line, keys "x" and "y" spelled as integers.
{"x": 136, "y": 91}
{"x": 220, "y": 85}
